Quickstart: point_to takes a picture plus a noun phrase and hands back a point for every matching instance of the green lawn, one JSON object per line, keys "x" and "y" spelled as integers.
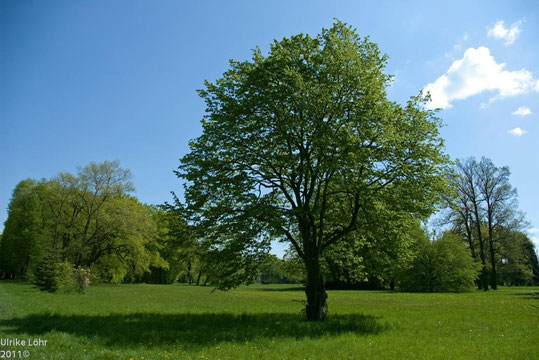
{"x": 265, "y": 322}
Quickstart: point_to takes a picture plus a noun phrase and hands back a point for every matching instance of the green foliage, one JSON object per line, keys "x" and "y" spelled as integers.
{"x": 518, "y": 264}
{"x": 49, "y": 274}
{"x": 65, "y": 279}
{"x": 22, "y": 230}
{"x": 441, "y": 266}
{"x": 281, "y": 271}
{"x": 297, "y": 145}
{"x": 369, "y": 257}
{"x": 52, "y": 275}
{"x": 88, "y": 220}
{"x": 482, "y": 207}
{"x": 178, "y": 246}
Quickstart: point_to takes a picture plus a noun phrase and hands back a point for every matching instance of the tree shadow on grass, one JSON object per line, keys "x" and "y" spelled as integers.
{"x": 531, "y": 295}
{"x": 286, "y": 289}
{"x": 190, "y": 330}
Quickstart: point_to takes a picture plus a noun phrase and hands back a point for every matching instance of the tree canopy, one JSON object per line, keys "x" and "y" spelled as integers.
{"x": 87, "y": 219}
{"x": 303, "y": 145}
{"x": 483, "y": 208}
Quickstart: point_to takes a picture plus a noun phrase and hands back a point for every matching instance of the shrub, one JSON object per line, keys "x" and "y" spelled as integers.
{"x": 46, "y": 273}
{"x": 54, "y": 276}
{"x": 65, "y": 282}
{"x": 441, "y": 266}
{"x": 82, "y": 277}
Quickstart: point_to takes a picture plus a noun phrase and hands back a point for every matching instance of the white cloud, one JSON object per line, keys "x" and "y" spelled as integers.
{"x": 516, "y": 132}
{"x": 522, "y": 111}
{"x": 533, "y": 230}
{"x": 499, "y": 31}
{"x": 476, "y": 72}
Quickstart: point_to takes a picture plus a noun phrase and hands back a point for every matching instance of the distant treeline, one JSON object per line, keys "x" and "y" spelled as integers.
{"x": 90, "y": 221}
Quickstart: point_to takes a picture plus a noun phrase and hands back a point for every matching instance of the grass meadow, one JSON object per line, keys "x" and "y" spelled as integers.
{"x": 265, "y": 322}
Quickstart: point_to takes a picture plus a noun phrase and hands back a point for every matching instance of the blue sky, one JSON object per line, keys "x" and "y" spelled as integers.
{"x": 85, "y": 81}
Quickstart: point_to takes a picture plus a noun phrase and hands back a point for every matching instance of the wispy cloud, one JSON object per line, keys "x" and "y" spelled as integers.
{"x": 522, "y": 111}
{"x": 509, "y": 35}
{"x": 516, "y": 132}
{"x": 457, "y": 47}
{"x": 475, "y": 73}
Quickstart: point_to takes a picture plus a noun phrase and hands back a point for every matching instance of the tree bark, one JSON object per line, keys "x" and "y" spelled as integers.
{"x": 189, "y": 278}
{"x": 493, "y": 277}
{"x": 484, "y": 270}
{"x": 493, "y": 280}
{"x": 469, "y": 236}
{"x": 316, "y": 308}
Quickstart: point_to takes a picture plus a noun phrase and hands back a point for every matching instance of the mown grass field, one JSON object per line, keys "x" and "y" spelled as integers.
{"x": 265, "y": 322}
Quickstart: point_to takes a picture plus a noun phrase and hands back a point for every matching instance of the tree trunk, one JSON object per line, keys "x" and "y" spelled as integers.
{"x": 189, "y": 278}
{"x": 469, "y": 236}
{"x": 198, "y": 277}
{"x": 493, "y": 279}
{"x": 316, "y": 308}
{"x": 484, "y": 270}
{"x": 483, "y": 283}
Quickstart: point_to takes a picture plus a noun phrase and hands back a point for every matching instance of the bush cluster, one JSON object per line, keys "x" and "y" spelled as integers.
{"x": 53, "y": 276}
{"x": 440, "y": 266}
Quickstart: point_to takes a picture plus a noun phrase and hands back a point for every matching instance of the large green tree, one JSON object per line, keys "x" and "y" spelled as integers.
{"x": 501, "y": 207}
{"x": 298, "y": 144}
{"x": 87, "y": 219}
{"x": 484, "y": 209}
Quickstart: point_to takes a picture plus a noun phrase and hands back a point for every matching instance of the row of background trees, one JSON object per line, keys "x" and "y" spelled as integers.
{"x": 90, "y": 220}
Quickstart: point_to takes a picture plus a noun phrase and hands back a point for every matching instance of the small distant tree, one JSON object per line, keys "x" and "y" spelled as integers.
{"x": 48, "y": 273}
